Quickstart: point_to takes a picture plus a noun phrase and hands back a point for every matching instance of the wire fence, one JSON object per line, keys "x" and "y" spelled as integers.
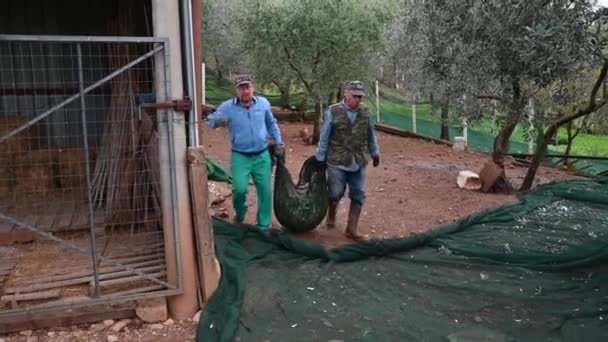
{"x": 476, "y": 139}
{"x": 80, "y": 171}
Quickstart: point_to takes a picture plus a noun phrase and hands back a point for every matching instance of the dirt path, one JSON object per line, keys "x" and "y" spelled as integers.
{"x": 414, "y": 188}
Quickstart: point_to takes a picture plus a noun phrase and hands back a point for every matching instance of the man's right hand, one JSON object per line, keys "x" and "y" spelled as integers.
{"x": 222, "y": 121}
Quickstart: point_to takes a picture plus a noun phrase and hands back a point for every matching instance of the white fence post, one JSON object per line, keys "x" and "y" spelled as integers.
{"x": 377, "y": 102}
{"x": 414, "y": 115}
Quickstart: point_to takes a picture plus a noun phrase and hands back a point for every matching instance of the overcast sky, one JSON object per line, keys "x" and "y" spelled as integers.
{"x": 603, "y": 3}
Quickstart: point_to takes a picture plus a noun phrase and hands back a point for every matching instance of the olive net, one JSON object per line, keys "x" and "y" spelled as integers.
{"x": 300, "y": 206}
{"x": 535, "y": 270}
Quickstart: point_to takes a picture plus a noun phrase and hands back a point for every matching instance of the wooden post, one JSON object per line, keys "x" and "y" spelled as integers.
{"x": 377, "y": 102}
{"x": 208, "y": 266}
{"x": 203, "y": 84}
{"x": 465, "y": 131}
{"x": 414, "y": 115}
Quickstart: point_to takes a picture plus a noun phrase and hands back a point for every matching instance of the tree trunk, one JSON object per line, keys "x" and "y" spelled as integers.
{"x": 569, "y": 145}
{"x": 284, "y": 88}
{"x": 218, "y": 69}
{"x": 501, "y": 143}
{"x": 316, "y": 130}
{"x": 535, "y": 163}
{"x": 591, "y": 107}
{"x": 445, "y": 127}
{"x": 338, "y": 95}
{"x": 501, "y": 146}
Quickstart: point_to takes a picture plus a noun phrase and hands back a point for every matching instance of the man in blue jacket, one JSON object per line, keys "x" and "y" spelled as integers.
{"x": 250, "y": 123}
{"x": 347, "y": 141}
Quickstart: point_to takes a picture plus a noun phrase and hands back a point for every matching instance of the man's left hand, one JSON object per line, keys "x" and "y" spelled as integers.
{"x": 376, "y": 160}
{"x": 279, "y": 151}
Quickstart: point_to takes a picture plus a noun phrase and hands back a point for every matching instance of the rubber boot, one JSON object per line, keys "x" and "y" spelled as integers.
{"x": 331, "y": 214}
{"x": 352, "y": 228}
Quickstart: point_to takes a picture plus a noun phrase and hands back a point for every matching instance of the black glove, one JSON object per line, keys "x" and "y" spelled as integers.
{"x": 279, "y": 151}
{"x": 376, "y": 160}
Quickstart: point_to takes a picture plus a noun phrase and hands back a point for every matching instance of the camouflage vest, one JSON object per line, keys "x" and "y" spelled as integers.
{"x": 348, "y": 140}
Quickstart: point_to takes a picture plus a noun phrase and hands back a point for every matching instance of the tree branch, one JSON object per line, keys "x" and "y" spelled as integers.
{"x": 490, "y": 97}
{"x": 591, "y": 107}
{"x": 297, "y": 71}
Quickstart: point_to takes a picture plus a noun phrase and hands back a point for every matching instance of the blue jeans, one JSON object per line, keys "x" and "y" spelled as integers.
{"x": 338, "y": 179}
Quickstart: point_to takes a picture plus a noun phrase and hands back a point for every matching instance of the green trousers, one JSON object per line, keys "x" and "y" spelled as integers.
{"x": 259, "y": 168}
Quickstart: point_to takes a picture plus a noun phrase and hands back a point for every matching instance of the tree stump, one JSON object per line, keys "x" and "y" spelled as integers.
{"x": 494, "y": 179}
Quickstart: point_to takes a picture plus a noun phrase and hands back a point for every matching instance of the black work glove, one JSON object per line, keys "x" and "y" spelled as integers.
{"x": 279, "y": 151}
{"x": 376, "y": 160}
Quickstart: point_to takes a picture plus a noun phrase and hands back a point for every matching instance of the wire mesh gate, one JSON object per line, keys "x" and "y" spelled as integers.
{"x": 85, "y": 172}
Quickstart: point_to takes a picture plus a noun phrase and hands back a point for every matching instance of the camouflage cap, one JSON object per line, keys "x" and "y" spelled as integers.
{"x": 242, "y": 79}
{"x": 356, "y": 87}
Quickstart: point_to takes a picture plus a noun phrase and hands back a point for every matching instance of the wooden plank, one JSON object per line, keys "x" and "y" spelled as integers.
{"x": 121, "y": 274}
{"x": 48, "y": 286}
{"x": 47, "y": 215}
{"x": 75, "y": 316}
{"x": 209, "y": 275}
{"x": 136, "y": 254}
{"x": 15, "y": 298}
{"x": 14, "y": 234}
{"x": 80, "y": 217}
{"x": 63, "y": 219}
{"x": 134, "y": 291}
{"x": 83, "y": 273}
{"x": 126, "y": 280}
{"x": 159, "y": 256}
{"x": 408, "y": 134}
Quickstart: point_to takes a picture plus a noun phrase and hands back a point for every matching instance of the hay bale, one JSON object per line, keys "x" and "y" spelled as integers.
{"x": 14, "y": 149}
{"x": 33, "y": 175}
{"x": 29, "y": 139}
{"x": 71, "y": 169}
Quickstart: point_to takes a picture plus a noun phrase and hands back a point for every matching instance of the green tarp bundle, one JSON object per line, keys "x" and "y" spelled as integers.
{"x": 216, "y": 172}
{"x": 301, "y": 206}
{"x": 530, "y": 271}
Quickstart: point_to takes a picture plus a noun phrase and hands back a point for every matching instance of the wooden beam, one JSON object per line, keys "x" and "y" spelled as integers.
{"x": 407, "y": 134}
{"x": 126, "y": 280}
{"x": 209, "y": 274}
{"x": 15, "y": 298}
{"x": 528, "y": 155}
{"x": 32, "y": 320}
{"x": 76, "y": 278}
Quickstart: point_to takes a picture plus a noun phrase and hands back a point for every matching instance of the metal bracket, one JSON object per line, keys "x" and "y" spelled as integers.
{"x": 182, "y": 105}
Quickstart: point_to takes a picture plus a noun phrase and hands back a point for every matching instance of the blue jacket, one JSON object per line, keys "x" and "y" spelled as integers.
{"x": 249, "y": 128}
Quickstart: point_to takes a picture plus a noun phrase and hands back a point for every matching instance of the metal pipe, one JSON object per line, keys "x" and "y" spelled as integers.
{"x": 76, "y": 39}
{"x": 176, "y": 225}
{"x": 82, "y": 93}
{"x": 188, "y": 61}
{"x": 173, "y": 176}
{"x": 83, "y": 118}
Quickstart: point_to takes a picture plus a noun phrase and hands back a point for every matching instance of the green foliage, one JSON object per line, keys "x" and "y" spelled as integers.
{"x": 318, "y": 43}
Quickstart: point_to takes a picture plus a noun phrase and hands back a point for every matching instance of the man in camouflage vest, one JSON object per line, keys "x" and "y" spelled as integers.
{"x": 347, "y": 141}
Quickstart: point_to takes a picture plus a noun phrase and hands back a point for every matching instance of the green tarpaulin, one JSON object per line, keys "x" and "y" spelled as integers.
{"x": 530, "y": 271}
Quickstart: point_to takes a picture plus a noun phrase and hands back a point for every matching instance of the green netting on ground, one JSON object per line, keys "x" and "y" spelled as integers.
{"x": 476, "y": 140}
{"x": 216, "y": 172}
{"x": 531, "y": 271}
